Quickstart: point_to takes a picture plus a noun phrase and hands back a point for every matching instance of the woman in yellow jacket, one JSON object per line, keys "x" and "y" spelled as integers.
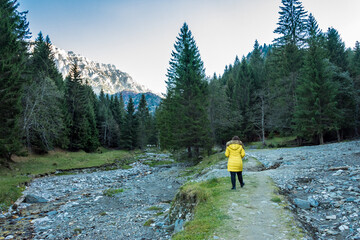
{"x": 235, "y": 152}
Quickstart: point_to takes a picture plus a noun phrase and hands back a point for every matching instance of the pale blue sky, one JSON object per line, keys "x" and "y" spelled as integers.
{"x": 138, "y": 35}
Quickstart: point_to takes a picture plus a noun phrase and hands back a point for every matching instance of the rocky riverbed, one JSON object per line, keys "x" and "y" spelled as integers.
{"x": 322, "y": 184}
{"x": 116, "y": 204}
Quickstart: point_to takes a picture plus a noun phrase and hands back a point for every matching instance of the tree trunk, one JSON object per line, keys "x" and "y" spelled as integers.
{"x": 299, "y": 141}
{"x": 197, "y": 151}
{"x": 321, "y": 138}
{"x": 189, "y": 152}
{"x": 263, "y": 121}
{"x": 338, "y": 135}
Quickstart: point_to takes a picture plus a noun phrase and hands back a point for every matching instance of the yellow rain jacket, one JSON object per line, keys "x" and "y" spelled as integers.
{"x": 235, "y": 152}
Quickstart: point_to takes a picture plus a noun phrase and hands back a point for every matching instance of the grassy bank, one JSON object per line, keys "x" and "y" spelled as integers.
{"x": 274, "y": 142}
{"x": 204, "y": 164}
{"x": 246, "y": 213}
{"x": 12, "y": 181}
{"x": 240, "y": 214}
{"x": 212, "y": 195}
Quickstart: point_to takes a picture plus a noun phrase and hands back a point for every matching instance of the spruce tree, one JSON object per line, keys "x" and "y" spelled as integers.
{"x": 81, "y": 122}
{"x": 118, "y": 115}
{"x": 291, "y": 24}
{"x": 144, "y": 123}
{"x": 346, "y": 94}
{"x": 168, "y": 122}
{"x": 130, "y": 128}
{"x": 336, "y": 49}
{"x": 287, "y": 55}
{"x": 103, "y": 119}
{"x": 187, "y": 92}
{"x": 219, "y": 112}
{"x": 42, "y": 118}
{"x": 355, "y": 74}
{"x": 244, "y": 91}
{"x": 316, "y": 112}
{"x": 259, "y": 99}
{"x": 14, "y": 32}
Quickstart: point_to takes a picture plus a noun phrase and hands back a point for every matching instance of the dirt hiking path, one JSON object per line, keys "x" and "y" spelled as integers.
{"x": 257, "y": 211}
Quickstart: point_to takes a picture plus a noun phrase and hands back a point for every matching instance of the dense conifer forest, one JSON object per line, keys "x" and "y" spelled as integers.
{"x": 304, "y": 84}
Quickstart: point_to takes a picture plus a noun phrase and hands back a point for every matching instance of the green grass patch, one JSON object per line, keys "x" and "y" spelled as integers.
{"x": 149, "y": 222}
{"x": 211, "y": 196}
{"x": 276, "y": 199}
{"x": 154, "y": 208}
{"x": 274, "y": 142}
{"x": 11, "y": 181}
{"x": 112, "y": 191}
{"x": 205, "y": 163}
{"x": 125, "y": 166}
{"x": 157, "y": 163}
{"x": 159, "y": 213}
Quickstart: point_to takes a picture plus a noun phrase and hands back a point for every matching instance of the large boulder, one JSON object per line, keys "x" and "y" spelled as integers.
{"x": 34, "y": 199}
{"x": 303, "y": 204}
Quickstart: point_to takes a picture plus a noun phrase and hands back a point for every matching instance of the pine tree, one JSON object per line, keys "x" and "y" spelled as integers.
{"x": 81, "y": 122}
{"x": 187, "y": 94}
{"x": 118, "y": 117}
{"x": 346, "y": 94}
{"x": 288, "y": 61}
{"x": 129, "y": 131}
{"x": 336, "y": 49}
{"x": 169, "y": 122}
{"x": 316, "y": 112}
{"x": 219, "y": 112}
{"x": 259, "y": 100}
{"x": 42, "y": 116}
{"x": 14, "y": 32}
{"x": 153, "y": 138}
{"x": 144, "y": 123}
{"x": 355, "y": 73}
{"x": 103, "y": 119}
{"x": 244, "y": 89}
{"x": 291, "y": 24}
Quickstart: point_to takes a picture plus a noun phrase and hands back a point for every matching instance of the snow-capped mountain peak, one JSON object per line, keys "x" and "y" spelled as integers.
{"x": 98, "y": 75}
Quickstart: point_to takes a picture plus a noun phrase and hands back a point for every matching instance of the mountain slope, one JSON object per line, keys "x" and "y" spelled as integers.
{"x": 152, "y": 100}
{"x": 98, "y": 75}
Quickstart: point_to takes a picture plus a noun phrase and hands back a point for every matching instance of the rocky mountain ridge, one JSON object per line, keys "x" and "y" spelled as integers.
{"x": 98, "y": 75}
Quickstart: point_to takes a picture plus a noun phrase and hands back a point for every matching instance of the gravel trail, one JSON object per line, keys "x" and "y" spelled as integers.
{"x": 322, "y": 184}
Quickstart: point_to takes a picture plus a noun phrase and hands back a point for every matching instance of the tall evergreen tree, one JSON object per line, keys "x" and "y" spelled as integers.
{"x": 336, "y": 49}
{"x": 291, "y": 24}
{"x": 288, "y": 61}
{"x": 232, "y": 88}
{"x": 346, "y": 92}
{"x": 316, "y": 112}
{"x": 104, "y": 120}
{"x": 144, "y": 123}
{"x": 42, "y": 116}
{"x": 244, "y": 88}
{"x": 355, "y": 73}
{"x": 187, "y": 90}
{"x": 259, "y": 96}
{"x": 14, "y": 32}
{"x": 83, "y": 133}
{"x": 219, "y": 112}
{"x": 129, "y": 132}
